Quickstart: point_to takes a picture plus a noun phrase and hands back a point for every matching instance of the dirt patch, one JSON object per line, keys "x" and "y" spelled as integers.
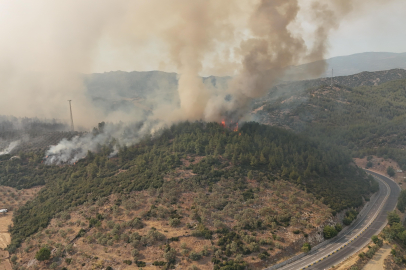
{"x": 377, "y": 261}
{"x": 11, "y": 199}
{"x": 4, "y": 262}
{"x": 5, "y": 221}
{"x": 347, "y": 264}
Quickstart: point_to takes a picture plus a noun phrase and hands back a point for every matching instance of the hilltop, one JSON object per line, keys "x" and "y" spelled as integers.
{"x": 197, "y": 194}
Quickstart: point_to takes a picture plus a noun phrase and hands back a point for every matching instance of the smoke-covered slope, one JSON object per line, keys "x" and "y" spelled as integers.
{"x": 351, "y": 64}
{"x": 30, "y": 134}
{"x": 364, "y": 120}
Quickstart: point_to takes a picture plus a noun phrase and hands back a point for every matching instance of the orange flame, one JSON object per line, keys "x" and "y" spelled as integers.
{"x": 236, "y": 128}
{"x": 223, "y": 123}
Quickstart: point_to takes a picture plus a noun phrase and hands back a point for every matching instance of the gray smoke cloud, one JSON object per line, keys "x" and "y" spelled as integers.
{"x": 47, "y": 44}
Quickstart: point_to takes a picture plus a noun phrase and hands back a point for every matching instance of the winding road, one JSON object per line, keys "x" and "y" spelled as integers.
{"x": 358, "y": 236}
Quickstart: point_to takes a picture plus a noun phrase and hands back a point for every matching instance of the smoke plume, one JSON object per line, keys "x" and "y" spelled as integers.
{"x": 46, "y": 45}
{"x": 9, "y": 148}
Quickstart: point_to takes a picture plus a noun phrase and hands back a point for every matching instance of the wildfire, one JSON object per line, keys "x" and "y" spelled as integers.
{"x": 235, "y": 128}
{"x": 230, "y": 125}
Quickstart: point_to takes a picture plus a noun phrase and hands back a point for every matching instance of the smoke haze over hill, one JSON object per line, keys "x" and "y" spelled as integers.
{"x": 46, "y": 44}
{"x": 254, "y": 41}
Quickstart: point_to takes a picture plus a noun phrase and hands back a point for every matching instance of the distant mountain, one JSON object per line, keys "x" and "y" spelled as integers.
{"x": 365, "y": 78}
{"x": 129, "y": 91}
{"x": 351, "y": 64}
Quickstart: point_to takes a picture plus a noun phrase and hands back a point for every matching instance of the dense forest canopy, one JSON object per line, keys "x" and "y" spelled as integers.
{"x": 255, "y": 151}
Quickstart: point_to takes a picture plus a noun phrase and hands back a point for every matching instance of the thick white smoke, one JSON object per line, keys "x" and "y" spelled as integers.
{"x": 9, "y": 148}
{"x": 116, "y": 135}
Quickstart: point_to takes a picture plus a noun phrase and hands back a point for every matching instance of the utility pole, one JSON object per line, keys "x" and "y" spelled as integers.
{"x": 332, "y": 75}
{"x": 71, "y": 117}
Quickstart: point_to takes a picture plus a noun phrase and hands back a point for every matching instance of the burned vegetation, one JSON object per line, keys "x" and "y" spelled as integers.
{"x": 198, "y": 195}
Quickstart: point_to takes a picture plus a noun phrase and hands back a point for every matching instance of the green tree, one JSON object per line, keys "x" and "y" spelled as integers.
{"x": 329, "y": 232}
{"x": 390, "y": 171}
{"x": 393, "y": 218}
{"x": 375, "y": 239}
{"x": 402, "y": 201}
{"x": 306, "y": 247}
{"x": 43, "y": 254}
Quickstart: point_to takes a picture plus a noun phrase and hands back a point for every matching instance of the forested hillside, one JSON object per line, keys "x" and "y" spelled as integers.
{"x": 365, "y": 120}
{"x": 196, "y": 157}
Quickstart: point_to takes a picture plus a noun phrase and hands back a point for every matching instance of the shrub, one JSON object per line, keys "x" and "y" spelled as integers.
{"x": 402, "y": 201}
{"x": 329, "y": 232}
{"x": 159, "y": 263}
{"x": 375, "y": 239}
{"x": 170, "y": 254}
{"x": 174, "y": 239}
{"x": 202, "y": 231}
{"x": 393, "y": 217}
{"x": 43, "y": 254}
{"x": 195, "y": 256}
{"x": 93, "y": 222}
{"x": 81, "y": 233}
{"x": 263, "y": 255}
{"x": 390, "y": 171}
{"x": 13, "y": 259}
{"x": 136, "y": 223}
{"x": 140, "y": 263}
{"x": 349, "y": 217}
{"x": 129, "y": 262}
{"x": 173, "y": 222}
{"x": 306, "y": 247}
{"x": 338, "y": 227}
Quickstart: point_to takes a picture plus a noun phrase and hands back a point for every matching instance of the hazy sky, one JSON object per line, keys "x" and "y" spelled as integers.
{"x": 375, "y": 30}
{"x": 381, "y": 30}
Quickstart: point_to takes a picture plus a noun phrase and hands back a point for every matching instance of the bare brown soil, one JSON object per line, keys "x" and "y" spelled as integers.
{"x": 4, "y": 262}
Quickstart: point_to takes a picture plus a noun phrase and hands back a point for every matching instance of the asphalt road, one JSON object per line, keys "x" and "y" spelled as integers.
{"x": 363, "y": 229}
